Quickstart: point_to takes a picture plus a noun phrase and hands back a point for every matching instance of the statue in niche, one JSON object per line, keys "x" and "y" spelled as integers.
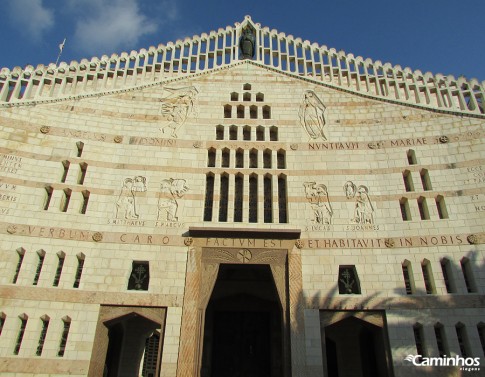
{"x": 247, "y": 43}
{"x": 176, "y": 107}
{"x": 317, "y": 196}
{"x": 170, "y": 190}
{"x": 312, "y": 115}
{"x": 364, "y": 209}
{"x": 126, "y": 203}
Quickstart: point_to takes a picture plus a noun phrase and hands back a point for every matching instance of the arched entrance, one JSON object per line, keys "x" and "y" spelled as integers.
{"x": 243, "y": 332}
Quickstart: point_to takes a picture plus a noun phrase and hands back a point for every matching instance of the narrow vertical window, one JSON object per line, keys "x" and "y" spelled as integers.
{"x": 65, "y": 170}
{"x": 211, "y": 158}
{"x": 259, "y": 133}
{"x": 66, "y": 199}
{"x": 462, "y": 338}
{"x": 266, "y": 112}
{"x": 83, "y": 167}
{"x": 259, "y": 97}
{"x": 225, "y": 158}
{"x": 246, "y": 133}
{"x": 227, "y": 111}
{"x": 253, "y": 112}
{"x": 239, "y": 158}
{"x": 238, "y": 198}
{"x": 411, "y": 156}
{"x": 60, "y": 264}
{"x": 447, "y": 275}
{"x": 247, "y": 96}
{"x": 240, "y": 111}
{"x": 466, "y": 269}
{"x": 40, "y": 263}
{"x": 20, "y": 336}
{"x": 268, "y": 199}
{"x": 425, "y": 180}
{"x": 233, "y": 133}
{"x": 48, "y": 196}
{"x": 79, "y": 147}
{"x": 439, "y": 332}
{"x": 43, "y": 332}
{"x": 281, "y": 159}
{"x": 79, "y": 270}
{"x": 65, "y": 334}
{"x": 428, "y": 277}
{"x": 481, "y": 335}
{"x": 407, "y": 273}
{"x": 209, "y": 197}
{"x": 253, "y": 158}
{"x": 84, "y": 205}
{"x": 273, "y": 133}
{"x": 423, "y": 208}
{"x": 220, "y": 132}
{"x": 253, "y": 198}
{"x": 3, "y": 318}
{"x": 234, "y": 96}
{"x": 282, "y": 200}
{"x": 408, "y": 180}
{"x": 247, "y": 86}
{"x": 419, "y": 339}
{"x": 267, "y": 159}
{"x": 224, "y": 197}
{"x": 21, "y": 254}
{"x": 405, "y": 212}
{"x": 441, "y": 207}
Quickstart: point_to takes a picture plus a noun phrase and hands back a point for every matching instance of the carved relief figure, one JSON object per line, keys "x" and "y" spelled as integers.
{"x": 177, "y": 106}
{"x": 364, "y": 209}
{"x": 312, "y": 115}
{"x": 170, "y": 190}
{"x": 317, "y": 196}
{"x": 126, "y": 203}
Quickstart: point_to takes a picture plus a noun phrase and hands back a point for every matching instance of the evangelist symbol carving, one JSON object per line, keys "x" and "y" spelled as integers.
{"x": 176, "y": 106}
{"x": 170, "y": 190}
{"x": 364, "y": 209}
{"x": 317, "y": 196}
{"x": 126, "y": 207}
{"x": 312, "y": 115}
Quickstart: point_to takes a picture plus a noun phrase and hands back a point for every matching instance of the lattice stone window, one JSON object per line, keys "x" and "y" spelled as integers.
{"x": 209, "y": 196}
{"x": 65, "y": 334}
{"x": 466, "y": 269}
{"x": 407, "y": 273}
{"x": 447, "y": 275}
{"x": 462, "y": 337}
{"x": 140, "y": 276}
{"x": 79, "y": 270}
{"x": 21, "y": 254}
{"x": 411, "y": 157}
{"x": 408, "y": 180}
{"x": 40, "y": 264}
{"x": 348, "y": 280}
{"x": 419, "y": 340}
{"x": 23, "y": 324}
{"x": 405, "y": 211}
{"x": 428, "y": 277}
{"x": 61, "y": 257}
{"x": 441, "y": 207}
{"x": 43, "y": 332}
{"x": 442, "y": 345}
{"x": 238, "y": 198}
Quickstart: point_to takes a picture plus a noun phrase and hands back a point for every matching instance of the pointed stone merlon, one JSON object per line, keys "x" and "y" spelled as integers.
{"x": 219, "y": 49}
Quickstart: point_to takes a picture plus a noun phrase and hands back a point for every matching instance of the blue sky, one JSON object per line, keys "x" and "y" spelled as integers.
{"x": 440, "y": 36}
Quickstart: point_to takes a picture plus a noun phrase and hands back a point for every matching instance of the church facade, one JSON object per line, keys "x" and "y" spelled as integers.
{"x": 241, "y": 203}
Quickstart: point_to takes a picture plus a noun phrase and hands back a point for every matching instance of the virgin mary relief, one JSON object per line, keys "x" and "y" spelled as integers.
{"x": 312, "y": 115}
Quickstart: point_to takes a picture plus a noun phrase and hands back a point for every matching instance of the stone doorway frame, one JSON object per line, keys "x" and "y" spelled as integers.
{"x": 202, "y": 269}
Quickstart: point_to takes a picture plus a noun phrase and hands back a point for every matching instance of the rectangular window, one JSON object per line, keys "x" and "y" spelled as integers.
{"x": 441, "y": 207}
{"x": 65, "y": 334}
{"x": 468, "y": 275}
{"x": 224, "y": 197}
{"x": 462, "y": 339}
{"x": 268, "y": 199}
{"x": 238, "y": 198}
{"x": 83, "y": 167}
{"x": 419, "y": 339}
{"x": 3, "y": 318}
{"x": 439, "y": 332}
{"x": 21, "y": 253}
{"x": 43, "y": 333}
{"x": 209, "y": 197}
{"x": 282, "y": 200}
{"x": 253, "y": 199}
{"x": 408, "y": 181}
{"x": 79, "y": 271}
{"x": 481, "y": 335}
{"x": 40, "y": 263}
{"x": 65, "y": 200}
{"x": 405, "y": 212}
{"x": 447, "y": 275}
{"x": 406, "y": 271}
{"x": 423, "y": 208}
{"x": 84, "y": 206}
{"x": 18, "y": 343}
{"x": 428, "y": 277}
{"x": 48, "y": 196}
{"x": 60, "y": 264}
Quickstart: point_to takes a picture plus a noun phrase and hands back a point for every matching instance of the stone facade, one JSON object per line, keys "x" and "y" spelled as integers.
{"x": 128, "y": 186}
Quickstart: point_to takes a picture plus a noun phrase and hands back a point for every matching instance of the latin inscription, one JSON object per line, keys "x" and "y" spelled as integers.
{"x": 135, "y": 140}
{"x": 476, "y": 174}
{"x": 243, "y": 242}
{"x": 409, "y": 142}
{"x": 82, "y": 134}
{"x": 332, "y": 146}
{"x": 10, "y": 163}
{"x": 478, "y": 202}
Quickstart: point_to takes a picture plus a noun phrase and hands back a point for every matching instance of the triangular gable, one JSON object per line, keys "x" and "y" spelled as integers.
{"x": 220, "y": 49}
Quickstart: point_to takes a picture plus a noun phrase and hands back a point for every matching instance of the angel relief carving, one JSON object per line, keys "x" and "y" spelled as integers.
{"x": 317, "y": 196}
{"x": 176, "y": 106}
{"x": 312, "y": 114}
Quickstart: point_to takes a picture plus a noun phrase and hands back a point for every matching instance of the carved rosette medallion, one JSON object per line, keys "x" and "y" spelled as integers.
{"x": 444, "y": 139}
{"x": 472, "y": 239}
{"x": 97, "y": 237}
{"x": 294, "y": 147}
{"x": 12, "y": 229}
{"x": 197, "y": 144}
{"x": 390, "y": 243}
{"x": 45, "y": 129}
{"x": 300, "y": 244}
{"x": 375, "y": 145}
{"x": 118, "y": 139}
{"x": 244, "y": 255}
{"x": 188, "y": 241}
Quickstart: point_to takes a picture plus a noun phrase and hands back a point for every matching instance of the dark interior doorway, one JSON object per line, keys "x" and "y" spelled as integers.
{"x": 243, "y": 332}
{"x": 356, "y": 348}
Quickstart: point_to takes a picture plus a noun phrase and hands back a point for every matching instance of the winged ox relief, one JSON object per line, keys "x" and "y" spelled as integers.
{"x": 312, "y": 115}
